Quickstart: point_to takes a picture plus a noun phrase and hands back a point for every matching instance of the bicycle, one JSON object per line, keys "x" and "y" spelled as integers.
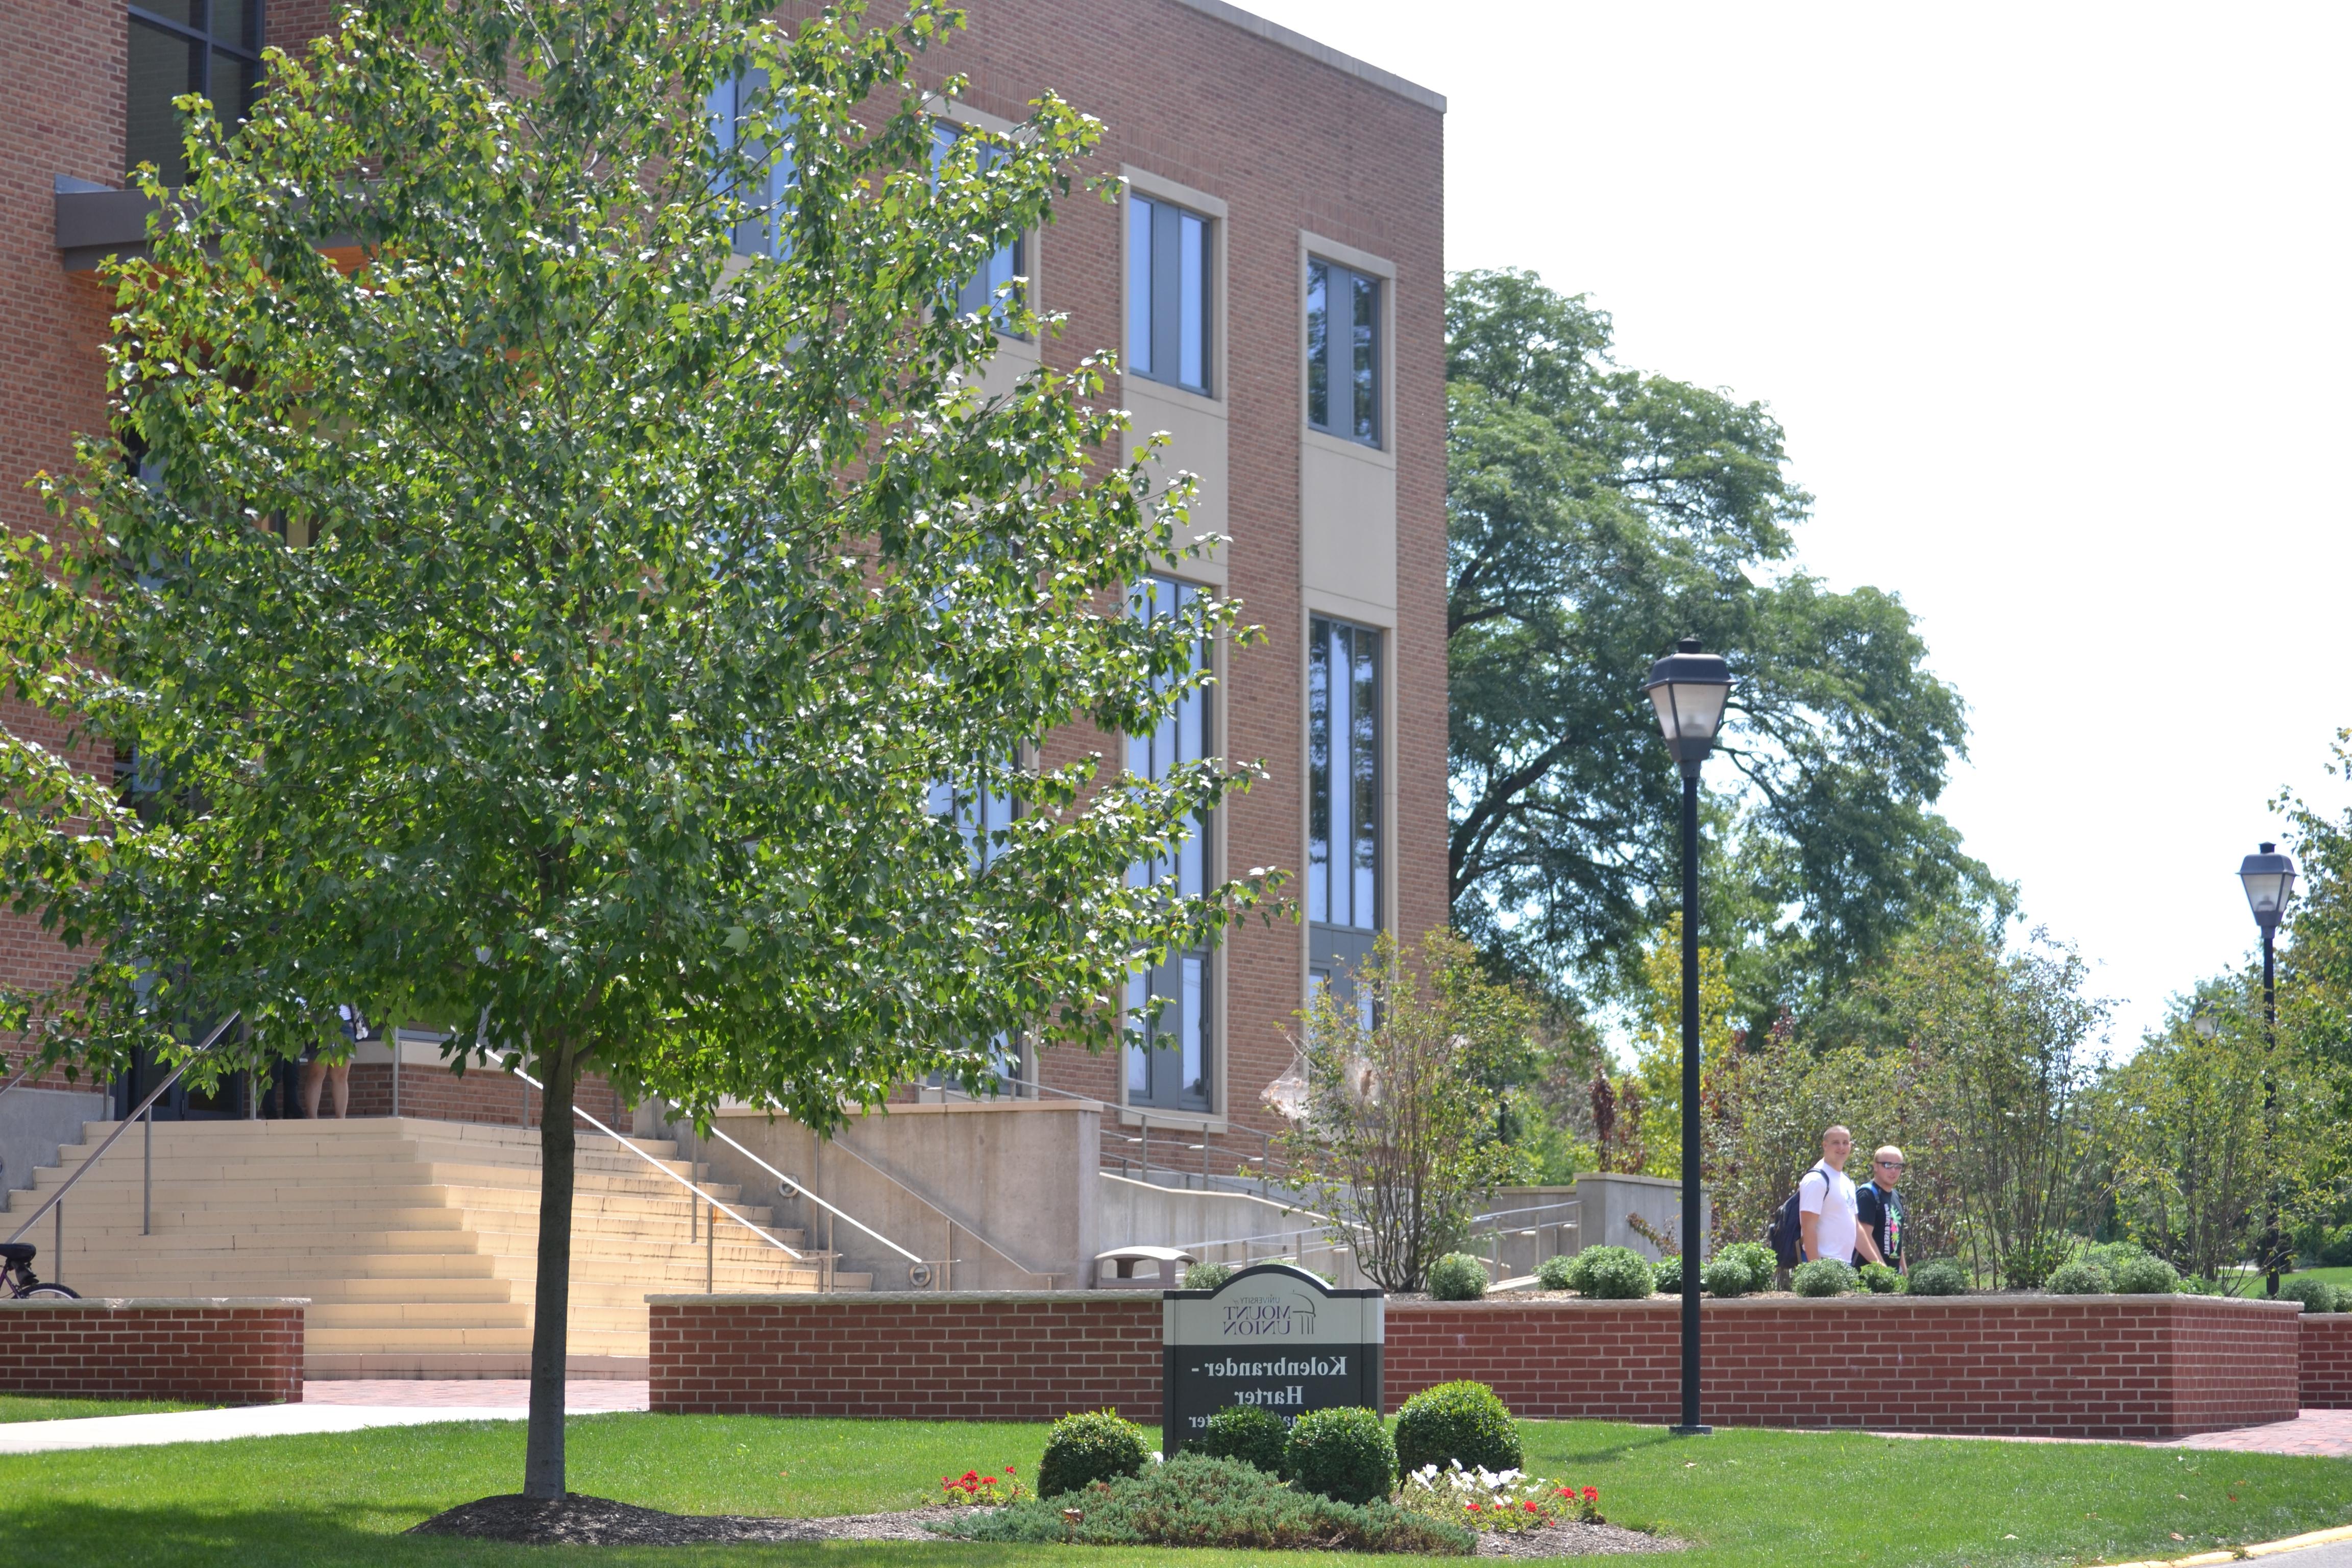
{"x": 22, "y": 1284}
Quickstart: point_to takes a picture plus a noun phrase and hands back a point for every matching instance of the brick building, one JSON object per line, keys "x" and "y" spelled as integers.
{"x": 1274, "y": 283}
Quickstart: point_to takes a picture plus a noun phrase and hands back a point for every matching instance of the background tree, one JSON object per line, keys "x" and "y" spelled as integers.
{"x": 1597, "y": 514}
{"x": 644, "y": 593}
{"x": 1399, "y": 1136}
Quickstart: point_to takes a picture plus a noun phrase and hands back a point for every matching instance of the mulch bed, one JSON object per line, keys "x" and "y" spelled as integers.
{"x": 1574, "y": 1541}
{"x": 577, "y": 1520}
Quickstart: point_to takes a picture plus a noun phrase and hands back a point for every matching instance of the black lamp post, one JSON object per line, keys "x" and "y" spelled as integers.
{"x": 2268, "y": 878}
{"x": 1689, "y": 689}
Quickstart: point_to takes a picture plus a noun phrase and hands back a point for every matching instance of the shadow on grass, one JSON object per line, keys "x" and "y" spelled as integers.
{"x": 161, "y": 1536}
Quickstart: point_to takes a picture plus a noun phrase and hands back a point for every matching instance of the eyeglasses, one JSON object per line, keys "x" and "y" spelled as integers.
{"x": 1889, "y": 1164}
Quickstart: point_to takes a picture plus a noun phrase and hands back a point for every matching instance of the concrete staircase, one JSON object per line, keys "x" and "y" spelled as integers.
{"x": 415, "y": 1241}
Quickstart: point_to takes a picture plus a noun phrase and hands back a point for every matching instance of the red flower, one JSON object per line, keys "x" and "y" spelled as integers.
{"x": 972, "y": 1475}
{"x": 1592, "y": 1494}
{"x": 1568, "y": 1491}
{"x": 1529, "y": 1506}
{"x": 1008, "y": 1470}
{"x": 1471, "y": 1506}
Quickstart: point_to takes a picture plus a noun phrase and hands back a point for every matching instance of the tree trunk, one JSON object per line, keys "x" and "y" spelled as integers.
{"x": 542, "y": 1465}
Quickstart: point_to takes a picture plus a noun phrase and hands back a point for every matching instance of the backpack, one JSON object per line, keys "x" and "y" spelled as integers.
{"x": 1787, "y": 1236}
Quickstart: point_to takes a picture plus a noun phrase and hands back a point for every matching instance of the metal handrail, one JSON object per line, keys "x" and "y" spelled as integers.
{"x": 796, "y": 1257}
{"x": 54, "y": 1199}
{"x": 795, "y": 1188}
{"x": 924, "y": 1199}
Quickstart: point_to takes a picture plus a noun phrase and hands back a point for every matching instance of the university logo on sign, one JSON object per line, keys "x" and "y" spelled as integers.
{"x": 1273, "y": 1336}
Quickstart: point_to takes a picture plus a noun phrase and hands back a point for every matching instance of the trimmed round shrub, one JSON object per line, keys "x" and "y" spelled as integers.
{"x": 2080, "y": 1277}
{"x": 1087, "y": 1447}
{"x": 1753, "y": 1257}
{"x": 1250, "y": 1432}
{"x": 1552, "y": 1273}
{"x": 1207, "y": 1276}
{"x": 1611, "y": 1274}
{"x": 1725, "y": 1277}
{"x": 1666, "y": 1275}
{"x": 2316, "y": 1295}
{"x": 1939, "y": 1276}
{"x": 1880, "y": 1280}
{"x": 1457, "y": 1276}
{"x": 1345, "y": 1455}
{"x": 1825, "y": 1276}
{"x": 2144, "y": 1275}
{"x": 1461, "y": 1421}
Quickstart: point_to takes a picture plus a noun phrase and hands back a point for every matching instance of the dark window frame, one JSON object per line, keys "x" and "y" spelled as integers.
{"x": 1368, "y": 410}
{"x": 976, "y": 296}
{"x": 1344, "y": 898}
{"x": 1159, "y": 1061}
{"x": 1155, "y": 293}
{"x": 203, "y": 42}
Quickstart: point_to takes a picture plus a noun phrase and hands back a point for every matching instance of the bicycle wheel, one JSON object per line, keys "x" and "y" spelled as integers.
{"x": 53, "y": 1292}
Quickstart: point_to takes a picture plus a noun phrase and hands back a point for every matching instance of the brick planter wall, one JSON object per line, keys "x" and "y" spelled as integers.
{"x": 968, "y": 1356}
{"x": 220, "y": 1350}
{"x": 2326, "y": 1360}
{"x": 2084, "y": 1366}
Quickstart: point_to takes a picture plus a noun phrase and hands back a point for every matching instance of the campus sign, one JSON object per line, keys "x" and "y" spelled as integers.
{"x": 1273, "y": 1336}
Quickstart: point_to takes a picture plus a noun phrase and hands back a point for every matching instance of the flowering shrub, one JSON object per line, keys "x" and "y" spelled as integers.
{"x": 972, "y": 1490}
{"x": 1492, "y": 1501}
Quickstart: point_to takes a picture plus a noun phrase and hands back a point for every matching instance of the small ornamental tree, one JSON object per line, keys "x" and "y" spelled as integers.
{"x": 1399, "y": 1135}
{"x": 509, "y": 599}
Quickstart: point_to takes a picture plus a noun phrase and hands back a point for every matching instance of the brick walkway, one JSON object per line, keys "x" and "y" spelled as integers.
{"x": 581, "y": 1395}
{"x": 2327, "y": 1432}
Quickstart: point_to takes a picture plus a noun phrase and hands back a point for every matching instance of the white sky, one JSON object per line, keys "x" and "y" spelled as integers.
{"x": 2052, "y": 302}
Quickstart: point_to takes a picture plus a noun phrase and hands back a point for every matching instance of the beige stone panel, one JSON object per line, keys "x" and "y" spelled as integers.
{"x": 1348, "y": 529}
{"x": 1196, "y": 444}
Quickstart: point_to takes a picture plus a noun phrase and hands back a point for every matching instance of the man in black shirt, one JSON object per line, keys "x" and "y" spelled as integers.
{"x": 1878, "y": 1208}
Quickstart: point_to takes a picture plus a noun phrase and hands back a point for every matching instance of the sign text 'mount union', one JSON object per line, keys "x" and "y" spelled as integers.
{"x": 1273, "y": 1336}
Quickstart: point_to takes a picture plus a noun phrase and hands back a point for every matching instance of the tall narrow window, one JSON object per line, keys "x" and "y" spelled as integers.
{"x": 1343, "y": 351}
{"x": 179, "y": 47}
{"x": 763, "y": 228}
{"x": 978, "y": 294}
{"x": 1172, "y": 1064}
{"x": 1343, "y": 797}
{"x": 1168, "y": 294}
{"x": 980, "y": 814}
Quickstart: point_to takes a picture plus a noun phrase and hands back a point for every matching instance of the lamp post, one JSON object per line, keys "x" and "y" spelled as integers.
{"x": 2269, "y": 879}
{"x": 1689, "y": 689}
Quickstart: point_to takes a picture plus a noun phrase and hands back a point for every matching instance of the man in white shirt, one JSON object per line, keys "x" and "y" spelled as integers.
{"x": 1825, "y": 1205}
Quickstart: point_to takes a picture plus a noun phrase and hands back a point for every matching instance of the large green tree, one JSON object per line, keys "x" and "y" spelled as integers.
{"x": 560, "y": 619}
{"x": 1597, "y": 514}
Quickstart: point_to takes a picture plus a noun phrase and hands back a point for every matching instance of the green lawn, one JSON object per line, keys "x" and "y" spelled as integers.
{"x": 2338, "y": 1276}
{"x": 24, "y": 1407}
{"x": 1763, "y": 1498}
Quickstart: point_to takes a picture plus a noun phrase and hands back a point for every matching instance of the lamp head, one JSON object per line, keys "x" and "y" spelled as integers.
{"x": 1689, "y": 689}
{"x": 2269, "y": 879}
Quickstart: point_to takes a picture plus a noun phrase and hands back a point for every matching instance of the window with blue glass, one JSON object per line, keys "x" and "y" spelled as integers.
{"x": 1171, "y": 1064}
{"x": 979, "y": 294}
{"x": 1343, "y": 351}
{"x": 736, "y": 108}
{"x": 177, "y": 48}
{"x": 1168, "y": 294}
{"x": 1343, "y": 798}
{"x": 981, "y": 814}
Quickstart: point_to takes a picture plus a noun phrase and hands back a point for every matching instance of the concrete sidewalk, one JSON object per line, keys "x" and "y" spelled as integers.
{"x": 339, "y": 1407}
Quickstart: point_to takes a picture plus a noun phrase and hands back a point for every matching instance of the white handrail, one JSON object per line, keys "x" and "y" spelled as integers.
{"x": 802, "y": 1191}
{"x": 673, "y": 1175}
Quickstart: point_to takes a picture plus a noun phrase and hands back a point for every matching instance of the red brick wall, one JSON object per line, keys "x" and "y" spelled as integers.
{"x": 225, "y": 1352}
{"x": 2097, "y": 1367}
{"x": 1012, "y": 1358}
{"x": 484, "y": 1094}
{"x": 2326, "y": 1364}
{"x": 2153, "y": 1367}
